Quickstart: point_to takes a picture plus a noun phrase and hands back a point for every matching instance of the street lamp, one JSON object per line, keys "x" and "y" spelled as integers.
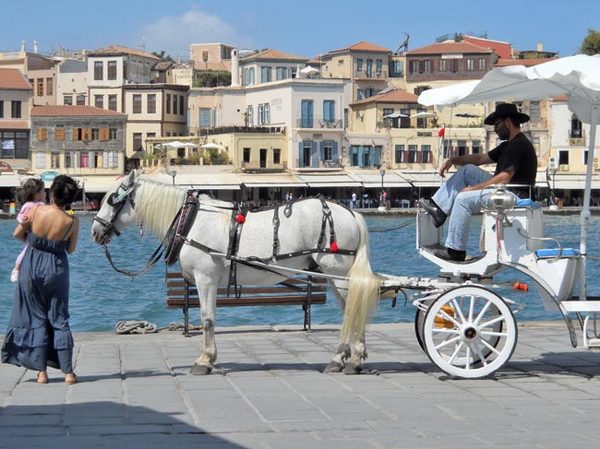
{"x": 172, "y": 174}
{"x": 382, "y": 207}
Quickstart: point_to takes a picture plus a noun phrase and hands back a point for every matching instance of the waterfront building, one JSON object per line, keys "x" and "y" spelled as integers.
{"x": 211, "y": 56}
{"x": 80, "y": 141}
{"x": 72, "y": 82}
{"x": 268, "y": 65}
{"x": 40, "y": 70}
{"x": 16, "y": 97}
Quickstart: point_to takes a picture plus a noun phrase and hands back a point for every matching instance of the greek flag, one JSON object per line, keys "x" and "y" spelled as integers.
{"x": 8, "y": 144}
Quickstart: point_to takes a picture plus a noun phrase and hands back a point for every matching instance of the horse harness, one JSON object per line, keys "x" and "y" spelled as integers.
{"x": 239, "y": 214}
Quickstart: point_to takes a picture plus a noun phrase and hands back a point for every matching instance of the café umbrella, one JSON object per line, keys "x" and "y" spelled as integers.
{"x": 577, "y": 77}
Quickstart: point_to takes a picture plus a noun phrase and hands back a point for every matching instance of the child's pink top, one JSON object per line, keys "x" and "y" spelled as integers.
{"x": 26, "y": 208}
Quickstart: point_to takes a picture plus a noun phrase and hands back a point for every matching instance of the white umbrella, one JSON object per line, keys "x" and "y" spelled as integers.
{"x": 211, "y": 146}
{"x": 396, "y": 115}
{"x": 179, "y": 144}
{"x": 577, "y": 77}
{"x": 308, "y": 70}
{"x": 423, "y": 114}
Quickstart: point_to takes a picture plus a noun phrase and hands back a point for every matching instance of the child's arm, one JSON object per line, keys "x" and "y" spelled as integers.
{"x": 20, "y": 231}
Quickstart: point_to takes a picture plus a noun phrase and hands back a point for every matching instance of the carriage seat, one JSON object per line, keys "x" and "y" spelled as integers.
{"x": 547, "y": 253}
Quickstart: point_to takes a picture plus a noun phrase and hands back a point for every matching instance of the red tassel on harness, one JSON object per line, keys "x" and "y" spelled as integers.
{"x": 334, "y": 247}
{"x": 239, "y": 218}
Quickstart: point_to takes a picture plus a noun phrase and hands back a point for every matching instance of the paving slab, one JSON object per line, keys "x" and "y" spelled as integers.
{"x": 269, "y": 391}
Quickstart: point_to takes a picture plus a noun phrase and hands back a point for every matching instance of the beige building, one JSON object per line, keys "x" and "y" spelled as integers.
{"x": 269, "y": 65}
{"x": 15, "y": 104}
{"x": 211, "y": 56}
{"x": 39, "y": 70}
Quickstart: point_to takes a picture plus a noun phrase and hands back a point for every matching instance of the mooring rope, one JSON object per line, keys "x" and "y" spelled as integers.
{"x": 400, "y": 226}
{"x": 135, "y": 327}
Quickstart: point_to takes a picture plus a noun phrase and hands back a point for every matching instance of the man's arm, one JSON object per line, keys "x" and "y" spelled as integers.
{"x": 475, "y": 159}
{"x": 503, "y": 177}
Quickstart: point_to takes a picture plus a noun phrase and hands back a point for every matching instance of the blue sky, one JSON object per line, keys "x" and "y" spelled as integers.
{"x": 305, "y": 27}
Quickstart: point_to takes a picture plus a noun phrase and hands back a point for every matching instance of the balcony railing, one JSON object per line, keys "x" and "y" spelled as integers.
{"x": 318, "y": 123}
{"x": 370, "y": 75}
{"x": 334, "y": 163}
{"x": 269, "y": 166}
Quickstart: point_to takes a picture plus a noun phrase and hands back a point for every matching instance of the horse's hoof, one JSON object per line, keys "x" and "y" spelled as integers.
{"x": 200, "y": 370}
{"x": 352, "y": 368}
{"x": 333, "y": 367}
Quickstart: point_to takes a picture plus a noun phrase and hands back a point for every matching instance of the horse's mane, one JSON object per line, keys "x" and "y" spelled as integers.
{"x": 156, "y": 205}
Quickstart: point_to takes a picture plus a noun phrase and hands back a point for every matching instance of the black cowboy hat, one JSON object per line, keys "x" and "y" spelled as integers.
{"x": 504, "y": 110}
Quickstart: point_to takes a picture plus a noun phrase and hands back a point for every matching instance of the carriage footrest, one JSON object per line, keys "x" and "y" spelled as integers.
{"x": 592, "y": 343}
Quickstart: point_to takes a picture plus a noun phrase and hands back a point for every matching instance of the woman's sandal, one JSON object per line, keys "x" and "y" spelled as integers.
{"x": 42, "y": 377}
{"x": 70, "y": 378}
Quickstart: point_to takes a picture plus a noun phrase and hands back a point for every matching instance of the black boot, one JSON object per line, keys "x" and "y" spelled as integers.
{"x": 438, "y": 215}
{"x": 454, "y": 255}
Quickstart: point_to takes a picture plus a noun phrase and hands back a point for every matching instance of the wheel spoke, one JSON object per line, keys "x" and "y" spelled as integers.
{"x": 492, "y": 322}
{"x": 468, "y": 358}
{"x": 480, "y": 354}
{"x": 490, "y": 347}
{"x": 458, "y": 309}
{"x": 471, "y": 307}
{"x": 444, "y": 330}
{"x": 482, "y": 312}
{"x": 455, "y": 353}
{"x": 447, "y": 342}
{"x": 449, "y": 318}
{"x": 493, "y": 334}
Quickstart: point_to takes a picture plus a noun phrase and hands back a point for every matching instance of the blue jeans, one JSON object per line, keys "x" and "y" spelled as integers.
{"x": 459, "y": 206}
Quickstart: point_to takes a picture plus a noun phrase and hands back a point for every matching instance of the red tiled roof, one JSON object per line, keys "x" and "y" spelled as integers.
{"x": 14, "y": 124}
{"x": 270, "y": 53}
{"x": 363, "y": 46}
{"x": 13, "y": 79}
{"x": 117, "y": 50}
{"x": 448, "y": 47}
{"x": 393, "y": 96}
{"x": 65, "y": 110}
{"x": 525, "y": 62}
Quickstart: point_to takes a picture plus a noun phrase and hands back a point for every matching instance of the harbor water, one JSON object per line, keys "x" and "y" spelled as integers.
{"x": 100, "y": 296}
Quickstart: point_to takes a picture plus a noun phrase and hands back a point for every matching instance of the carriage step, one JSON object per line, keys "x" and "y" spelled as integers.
{"x": 592, "y": 343}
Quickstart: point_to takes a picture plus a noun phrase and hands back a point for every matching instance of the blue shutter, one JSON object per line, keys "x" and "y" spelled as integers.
{"x": 314, "y": 157}
{"x": 361, "y": 162}
{"x": 300, "y": 155}
{"x": 335, "y": 151}
{"x": 322, "y": 145}
{"x": 377, "y": 158}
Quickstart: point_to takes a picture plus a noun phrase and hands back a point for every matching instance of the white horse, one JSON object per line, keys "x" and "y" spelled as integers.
{"x": 155, "y": 205}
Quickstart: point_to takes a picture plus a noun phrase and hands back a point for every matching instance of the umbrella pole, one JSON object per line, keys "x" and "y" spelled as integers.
{"x": 585, "y": 213}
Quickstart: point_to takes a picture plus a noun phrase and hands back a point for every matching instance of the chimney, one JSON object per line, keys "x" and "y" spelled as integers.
{"x": 539, "y": 47}
{"x": 23, "y": 46}
{"x": 35, "y": 49}
{"x": 235, "y": 68}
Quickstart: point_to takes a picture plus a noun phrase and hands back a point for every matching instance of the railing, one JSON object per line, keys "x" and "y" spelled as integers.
{"x": 372, "y": 75}
{"x": 335, "y": 163}
{"x": 268, "y": 166}
{"x": 275, "y": 129}
{"x": 318, "y": 123}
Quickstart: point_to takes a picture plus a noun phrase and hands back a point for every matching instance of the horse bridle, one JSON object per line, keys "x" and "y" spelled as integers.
{"x": 119, "y": 200}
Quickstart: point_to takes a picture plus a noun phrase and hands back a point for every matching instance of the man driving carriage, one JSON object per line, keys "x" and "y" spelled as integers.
{"x": 460, "y": 196}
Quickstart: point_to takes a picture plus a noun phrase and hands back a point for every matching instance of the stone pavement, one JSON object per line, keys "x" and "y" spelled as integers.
{"x": 135, "y": 392}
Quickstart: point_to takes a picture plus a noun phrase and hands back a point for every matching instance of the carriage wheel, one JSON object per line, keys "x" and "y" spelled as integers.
{"x": 469, "y": 332}
{"x": 420, "y": 329}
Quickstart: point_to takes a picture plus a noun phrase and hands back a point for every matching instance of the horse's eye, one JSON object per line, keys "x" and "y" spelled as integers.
{"x": 113, "y": 199}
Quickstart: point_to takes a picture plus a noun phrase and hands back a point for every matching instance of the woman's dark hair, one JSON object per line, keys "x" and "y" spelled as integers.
{"x": 63, "y": 190}
{"x": 30, "y": 188}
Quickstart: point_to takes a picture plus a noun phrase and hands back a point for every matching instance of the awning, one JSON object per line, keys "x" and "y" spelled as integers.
{"x": 10, "y": 180}
{"x": 330, "y": 180}
{"x": 422, "y": 179}
{"x": 372, "y": 179}
{"x": 572, "y": 181}
{"x": 200, "y": 181}
{"x": 275, "y": 180}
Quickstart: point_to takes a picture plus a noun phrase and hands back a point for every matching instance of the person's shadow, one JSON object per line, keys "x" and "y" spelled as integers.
{"x": 103, "y": 425}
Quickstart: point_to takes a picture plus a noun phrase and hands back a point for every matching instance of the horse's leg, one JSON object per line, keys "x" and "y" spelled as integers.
{"x": 207, "y": 293}
{"x": 359, "y": 353}
{"x": 336, "y": 365}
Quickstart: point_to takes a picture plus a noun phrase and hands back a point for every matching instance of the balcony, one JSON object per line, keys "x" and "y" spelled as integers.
{"x": 256, "y": 166}
{"x": 371, "y": 75}
{"x": 334, "y": 164}
{"x": 318, "y": 123}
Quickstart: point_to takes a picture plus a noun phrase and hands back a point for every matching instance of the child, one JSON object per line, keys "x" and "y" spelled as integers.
{"x": 33, "y": 194}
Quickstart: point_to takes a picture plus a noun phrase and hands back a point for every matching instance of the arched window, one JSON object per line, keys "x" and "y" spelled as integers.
{"x": 575, "y": 131}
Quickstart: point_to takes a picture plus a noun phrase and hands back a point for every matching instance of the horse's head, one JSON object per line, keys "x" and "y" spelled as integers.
{"x": 117, "y": 210}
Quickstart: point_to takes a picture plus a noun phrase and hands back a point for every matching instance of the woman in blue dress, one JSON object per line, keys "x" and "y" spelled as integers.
{"x": 38, "y": 333}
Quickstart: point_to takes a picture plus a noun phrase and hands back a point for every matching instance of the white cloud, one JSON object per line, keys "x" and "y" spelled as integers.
{"x": 174, "y": 34}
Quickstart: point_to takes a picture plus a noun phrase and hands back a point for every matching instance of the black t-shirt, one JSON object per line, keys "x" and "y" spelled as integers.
{"x": 516, "y": 156}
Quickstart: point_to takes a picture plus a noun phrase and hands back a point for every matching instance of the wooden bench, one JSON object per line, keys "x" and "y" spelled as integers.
{"x": 293, "y": 291}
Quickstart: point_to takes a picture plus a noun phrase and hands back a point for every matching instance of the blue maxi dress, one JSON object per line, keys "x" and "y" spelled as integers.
{"x": 38, "y": 331}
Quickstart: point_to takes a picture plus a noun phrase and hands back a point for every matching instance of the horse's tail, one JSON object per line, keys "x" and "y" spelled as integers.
{"x": 363, "y": 289}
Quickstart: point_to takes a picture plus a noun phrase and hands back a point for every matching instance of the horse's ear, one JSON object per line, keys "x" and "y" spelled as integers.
{"x": 131, "y": 177}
